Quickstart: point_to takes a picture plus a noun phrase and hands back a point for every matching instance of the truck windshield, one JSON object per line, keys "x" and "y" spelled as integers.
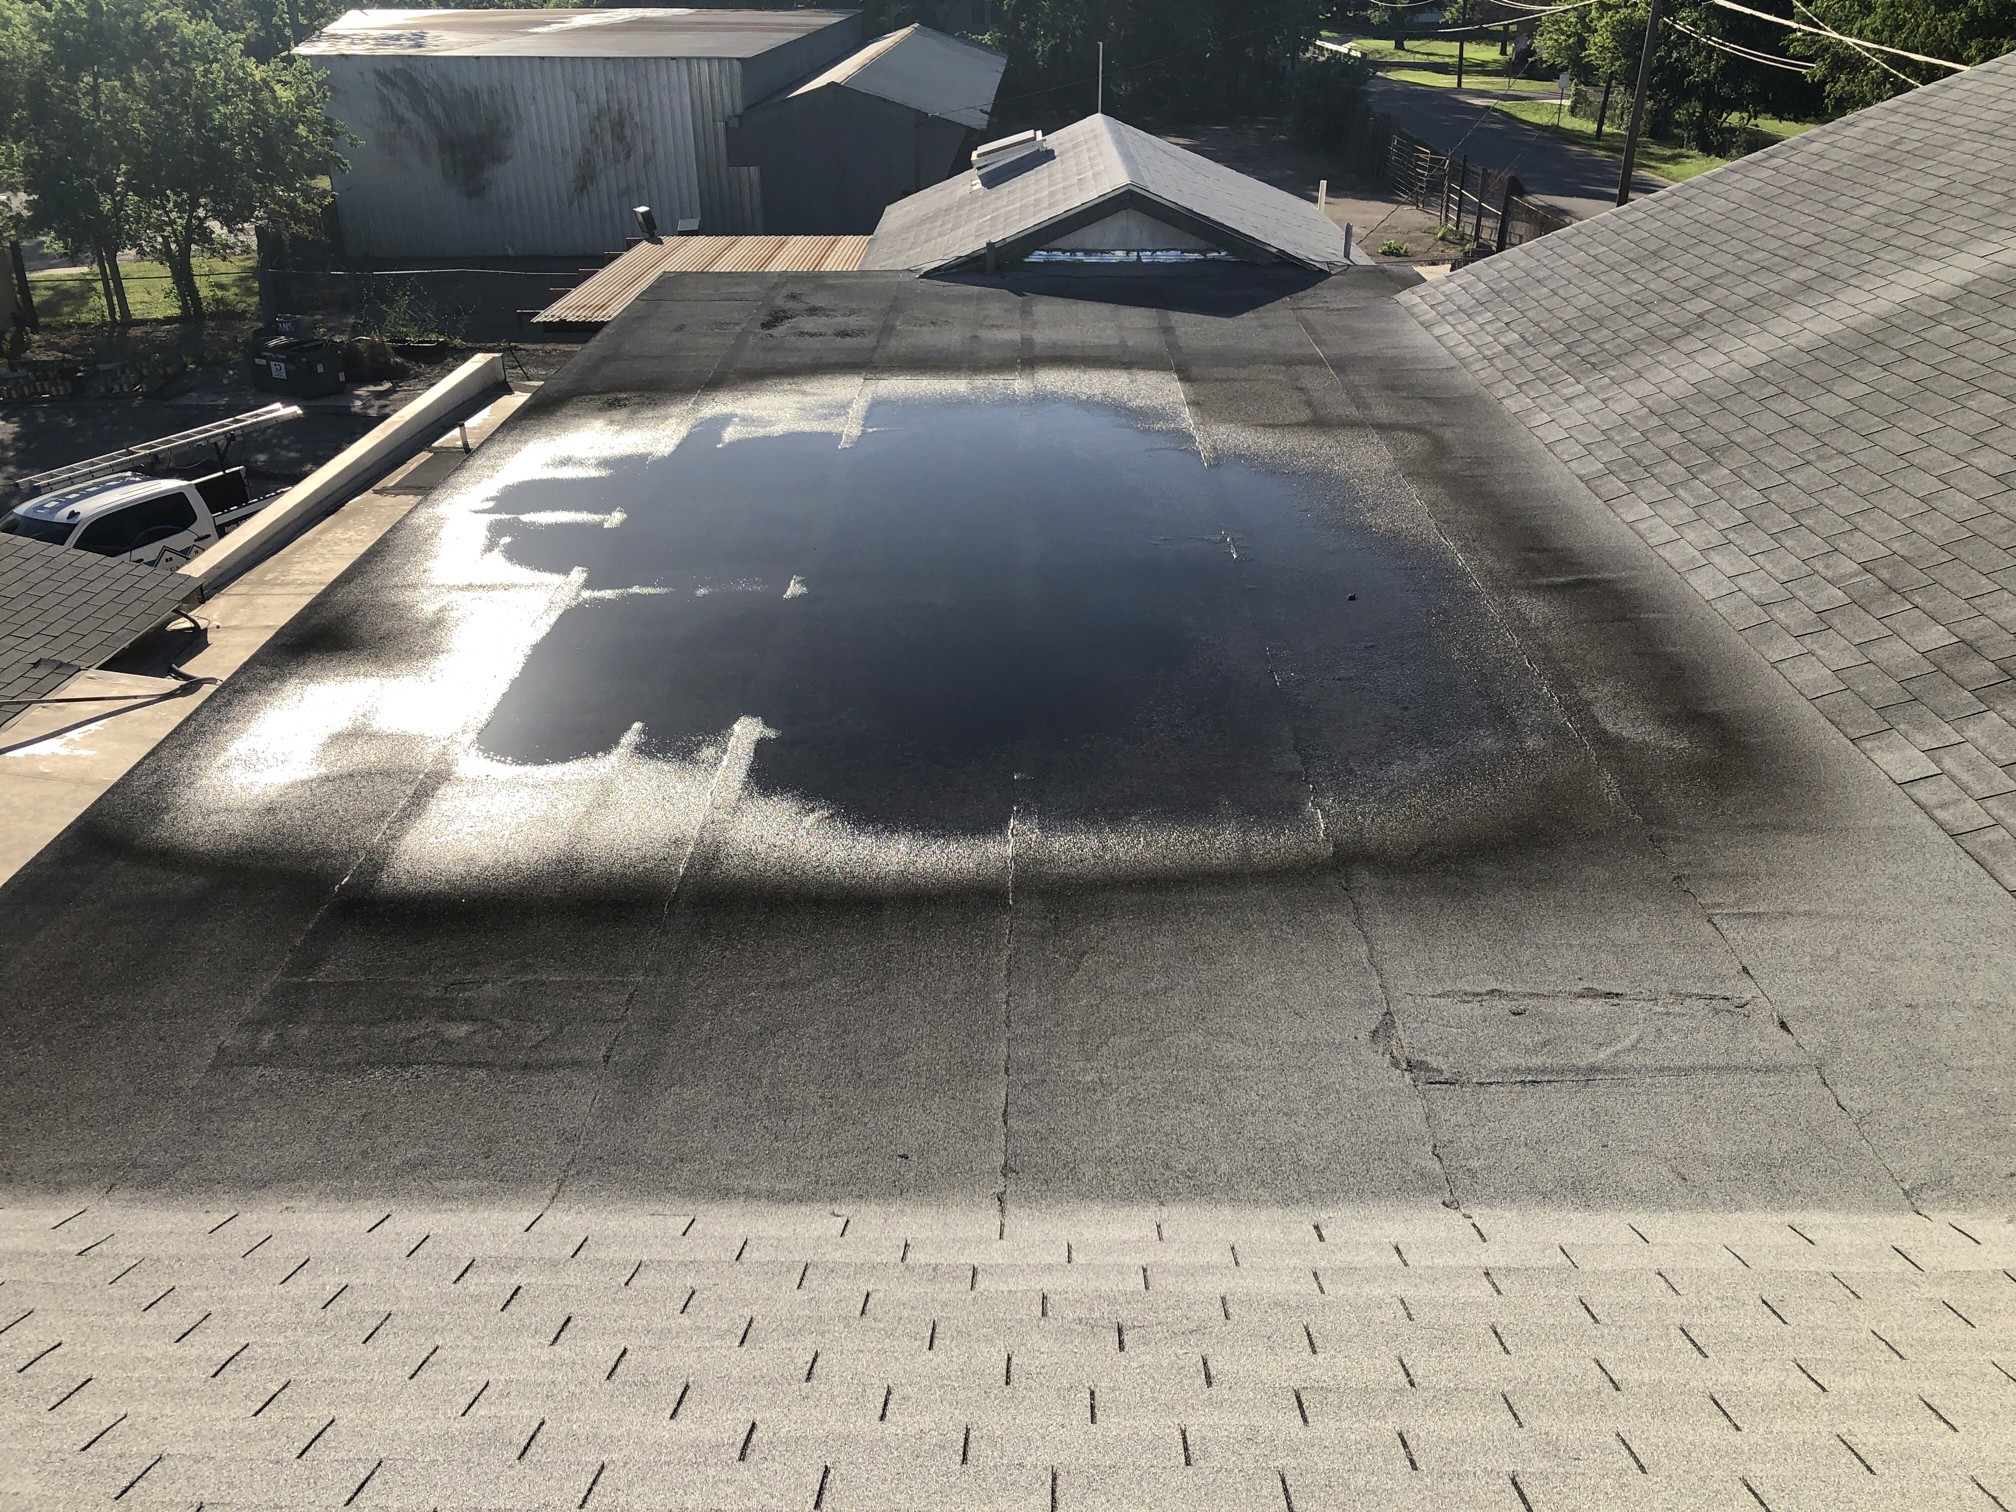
{"x": 56, "y": 532}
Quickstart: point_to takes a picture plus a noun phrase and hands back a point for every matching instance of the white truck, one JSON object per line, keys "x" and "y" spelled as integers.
{"x": 161, "y": 522}
{"x": 108, "y": 506}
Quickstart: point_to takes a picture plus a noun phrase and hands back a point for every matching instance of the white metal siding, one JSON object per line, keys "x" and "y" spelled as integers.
{"x": 495, "y": 156}
{"x": 729, "y": 203}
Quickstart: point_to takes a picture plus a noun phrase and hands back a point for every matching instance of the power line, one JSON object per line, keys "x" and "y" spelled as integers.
{"x": 1862, "y": 48}
{"x": 1737, "y": 50}
{"x": 1527, "y": 13}
{"x": 1835, "y": 36}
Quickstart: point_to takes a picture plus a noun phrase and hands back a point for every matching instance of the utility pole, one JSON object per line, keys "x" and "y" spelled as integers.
{"x": 1638, "y": 102}
{"x": 1099, "y": 99}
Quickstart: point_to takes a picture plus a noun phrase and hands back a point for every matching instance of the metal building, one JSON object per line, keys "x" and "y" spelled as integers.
{"x": 900, "y": 115}
{"x": 534, "y": 132}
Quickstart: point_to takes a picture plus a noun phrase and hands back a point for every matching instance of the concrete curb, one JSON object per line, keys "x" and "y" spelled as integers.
{"x": 345, "y": 473}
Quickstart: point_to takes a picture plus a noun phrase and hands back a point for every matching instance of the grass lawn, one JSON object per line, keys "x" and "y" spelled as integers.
{"x": 1667, "y": 159}
{"x": 73, "y": 299}
{"x": 1434, "y": 63}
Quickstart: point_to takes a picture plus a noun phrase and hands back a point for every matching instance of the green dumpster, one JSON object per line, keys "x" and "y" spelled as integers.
{"x": 302, "y": 367}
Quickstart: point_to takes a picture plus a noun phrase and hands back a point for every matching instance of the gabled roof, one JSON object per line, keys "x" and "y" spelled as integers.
{"x": 643, "y": 32}
{"x": 923, "y": 69}
{"x": 1090, "y": 164}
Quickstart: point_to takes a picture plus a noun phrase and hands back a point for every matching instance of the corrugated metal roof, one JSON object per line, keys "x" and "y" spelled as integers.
{"x": 923, "y": 69}
{"x": 1087, "y": 163}
{"x": 611, "y": 33}
{"x": 602, "y": 296}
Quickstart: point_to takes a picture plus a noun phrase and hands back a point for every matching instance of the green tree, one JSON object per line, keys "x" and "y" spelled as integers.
{"x": 1961, "y": 31}
{"x": 229, "y": 142}
{"x": 1697, "y": 90}
{"x": 1326, "y": 101}
{"x": 269, "y": 28}
{"x": 1164, "y": 58}
{"x": 72, "y": 114}
{"x": 137, "y": 125}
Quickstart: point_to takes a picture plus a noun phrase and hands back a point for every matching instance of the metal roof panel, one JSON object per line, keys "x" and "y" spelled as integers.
{"x": 604, "y": 294}
{"x": 924, "y": 69}
{"x": 639, "y": 32}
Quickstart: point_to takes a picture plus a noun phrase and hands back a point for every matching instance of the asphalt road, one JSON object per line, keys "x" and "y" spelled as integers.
{"x": 1580, "y": 182}
{"x": 868, "y": 739}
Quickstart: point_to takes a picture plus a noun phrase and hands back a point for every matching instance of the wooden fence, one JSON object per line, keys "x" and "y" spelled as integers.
{"x": 1486, "y": 208}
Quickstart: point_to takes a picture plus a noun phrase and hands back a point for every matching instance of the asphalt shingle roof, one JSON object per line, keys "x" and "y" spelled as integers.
{"x": 1796, "y": 378}
{"x": 1088, "y": 162}
{"x": 62, "y": 611}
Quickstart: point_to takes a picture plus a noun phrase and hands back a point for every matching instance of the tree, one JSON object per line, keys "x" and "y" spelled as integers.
{"x": 134, "y": 124}
{"x": 1961, "y": 31}
{"x": 1187, "y": 58}
{"x": 269, "y": 28}
{"x": 229, "y": 141}
{"x": 73, "y": 70}
{"x": 1697, "y": 89}
{"x": 1326, "y": 101}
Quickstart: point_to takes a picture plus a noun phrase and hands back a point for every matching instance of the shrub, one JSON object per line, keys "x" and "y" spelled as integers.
{"x": 1326, "y": 100}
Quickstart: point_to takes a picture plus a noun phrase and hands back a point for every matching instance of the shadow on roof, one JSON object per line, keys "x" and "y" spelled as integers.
{"x": 1208, "y": 289}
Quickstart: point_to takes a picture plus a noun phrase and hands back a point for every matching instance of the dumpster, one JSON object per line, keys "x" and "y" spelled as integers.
{"x": 302, "y": 367}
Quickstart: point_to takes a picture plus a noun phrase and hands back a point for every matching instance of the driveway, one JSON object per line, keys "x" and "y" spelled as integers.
{"x": 1579, "y": 182}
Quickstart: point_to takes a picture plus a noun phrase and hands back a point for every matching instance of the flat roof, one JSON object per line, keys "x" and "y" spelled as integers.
{"x": 603, "y": 295}
{"x": 809, "y": 630}
{"x": 669, "y": 32}
{"x": 964, "y": 818}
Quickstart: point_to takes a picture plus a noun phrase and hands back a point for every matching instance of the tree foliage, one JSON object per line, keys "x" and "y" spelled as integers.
{"x": 1169, "y": 59}
{"x": 1700, "y": 90}
{"x": 1327, "y": 102}
{"x": 1697, "y": 91}
{"x": 1961, "y": 31}
{"x": 140, "y": 125}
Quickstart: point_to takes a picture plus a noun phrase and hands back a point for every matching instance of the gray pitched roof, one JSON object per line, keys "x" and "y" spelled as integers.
{"x": 1087, "y": 164}
{"x": 1795, "y": 377}
{"x": 63, "y": 610}
{"x": 924, "y": 69}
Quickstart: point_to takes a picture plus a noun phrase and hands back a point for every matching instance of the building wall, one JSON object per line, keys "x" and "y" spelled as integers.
{"x": 1130, "y": 230}
{"x": 833, "y": 160}
{"x": 503, "y": 156}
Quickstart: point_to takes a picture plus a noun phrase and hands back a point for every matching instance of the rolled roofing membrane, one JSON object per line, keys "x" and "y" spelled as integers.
{"x": 644, "y": 807}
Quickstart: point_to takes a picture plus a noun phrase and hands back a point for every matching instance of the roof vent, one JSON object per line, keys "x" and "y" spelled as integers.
{"x": 995, "y": 161}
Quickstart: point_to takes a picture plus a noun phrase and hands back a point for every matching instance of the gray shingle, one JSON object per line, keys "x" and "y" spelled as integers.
{"x": 1090, "y": 162}
{"x": 63, "y": 610}
{"x": 1771, "y": 342}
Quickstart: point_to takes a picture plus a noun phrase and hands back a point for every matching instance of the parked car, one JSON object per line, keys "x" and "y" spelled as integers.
{"x": 160, "y": 522}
